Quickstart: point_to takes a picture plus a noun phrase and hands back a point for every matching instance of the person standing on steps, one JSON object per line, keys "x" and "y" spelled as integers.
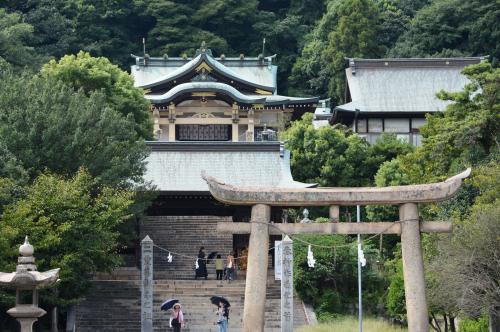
{"x": 223, "y": 313}
{"x": 201, "y": 271}
{"x": 219, "y": 267}
{"x": 177, "y": 318}
{"x": 230, "y": 266}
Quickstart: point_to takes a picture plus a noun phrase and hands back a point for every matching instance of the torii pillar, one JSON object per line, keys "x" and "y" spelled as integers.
{"x": 407, "y": 197}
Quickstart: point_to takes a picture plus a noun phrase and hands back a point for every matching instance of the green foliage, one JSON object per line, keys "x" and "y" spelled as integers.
{"x": 467, "y": 133}
{"x": 15, "y": 40}
{"x": 389, "y": 174}
{"x": 461, "y": 270}
{"x": 312, "y": 36}
{"x": 351, "y": 324}
{"x": 226, "y": 26}
{"x": 334, "y": 156}
{"x": 10, "y": 166}
{"x": 48, "y": 125}
{"x": 453, "y": 28}
{"x": 349, "y": 28}
{"x": 395, "y": 301}
{"x": 98, "y": 74}
{"x": 70, "y": 225}
{"x": 473, "y": 325}
{"x": 331, "y": 286}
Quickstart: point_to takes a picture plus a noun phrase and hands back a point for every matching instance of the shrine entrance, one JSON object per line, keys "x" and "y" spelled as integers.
{"x": 203, "y": 132}
{"x": 409, "y": 227}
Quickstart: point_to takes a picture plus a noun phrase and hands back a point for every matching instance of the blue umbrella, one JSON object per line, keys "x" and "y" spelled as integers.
{"x": 168, "y": 304}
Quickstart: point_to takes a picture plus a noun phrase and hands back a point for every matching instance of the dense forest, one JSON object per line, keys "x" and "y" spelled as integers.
{"x": 72, "y": 131}
{"x": 310, "y": 37}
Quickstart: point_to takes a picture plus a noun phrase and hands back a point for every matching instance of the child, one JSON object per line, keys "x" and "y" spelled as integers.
{"x": 177, "y": 318}
{"x": 219, "y": 267}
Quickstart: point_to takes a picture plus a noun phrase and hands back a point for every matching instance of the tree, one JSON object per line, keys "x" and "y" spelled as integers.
{"x": 70, "y": 225}
{"x": 331, "y": 286}
{"x": 356, "y": 35}
{"x": 453, "y": 27}
{"x": 462, "y": 272}
{"x": 396, "y": 16}
{"x": 349, "y": 28}
{"x": 466, "y": 133}
{"x": 107, "y": 28}
{"x": 15, "y": 40}
{"x": 335, "y": 156}
{"x": 47, "y": 125}
{"x": 282, "y": 38}
{"x": 54, "y": 33}
{"x": 98, "y": 74}
{"x": 395, "y": 299}
{"x": 227, "y": 26}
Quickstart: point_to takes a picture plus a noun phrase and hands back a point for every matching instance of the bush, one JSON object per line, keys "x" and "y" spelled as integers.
{"x": 473, "y": 325}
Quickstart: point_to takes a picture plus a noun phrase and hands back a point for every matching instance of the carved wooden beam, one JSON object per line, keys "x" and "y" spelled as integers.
{"x": 335, "y": 228}
{"x": 251, "y": 195}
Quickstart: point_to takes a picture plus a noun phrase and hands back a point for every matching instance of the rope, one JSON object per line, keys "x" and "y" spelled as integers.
{"x": 195, "y": 257}
{"x": 335, "y": 246}
{"x": 298, "y": 239}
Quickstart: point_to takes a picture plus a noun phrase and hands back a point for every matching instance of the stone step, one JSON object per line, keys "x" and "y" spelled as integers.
{"x": 115, "y": 305}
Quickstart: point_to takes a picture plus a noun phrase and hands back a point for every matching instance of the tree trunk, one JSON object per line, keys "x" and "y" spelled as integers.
{"x": 445, "y": 323}
{"x": 452, "y": 324}
{"x": 494, "y": 321}
{"x": 435, "y": 325}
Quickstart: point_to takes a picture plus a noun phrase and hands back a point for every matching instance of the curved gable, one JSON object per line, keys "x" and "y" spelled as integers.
{"x": 202, "y": 68}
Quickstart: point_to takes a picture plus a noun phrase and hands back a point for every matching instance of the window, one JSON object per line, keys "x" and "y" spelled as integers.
{"x": 403, "y": 137}
{"x": 397, "y": 125}
{"x": 416, "y": 124}
{"x": 375, "y": 125}
{"x": 417, "y": 139}
{"x": 362, "y": 126}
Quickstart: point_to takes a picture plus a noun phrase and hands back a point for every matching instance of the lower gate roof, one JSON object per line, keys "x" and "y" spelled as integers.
{"x": 177, "y": 166}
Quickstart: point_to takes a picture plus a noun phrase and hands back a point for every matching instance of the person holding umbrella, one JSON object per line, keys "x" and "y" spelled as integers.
{"x": 176, "y": 316}
{"x": 222, "y": 312}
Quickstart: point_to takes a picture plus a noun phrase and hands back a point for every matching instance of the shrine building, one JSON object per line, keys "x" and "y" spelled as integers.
{"x": 394, "y": 95}
{"x": 222, "y": 115}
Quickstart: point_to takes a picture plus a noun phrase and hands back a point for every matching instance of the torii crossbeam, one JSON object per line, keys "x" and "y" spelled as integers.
{"x": 409, "y": 227}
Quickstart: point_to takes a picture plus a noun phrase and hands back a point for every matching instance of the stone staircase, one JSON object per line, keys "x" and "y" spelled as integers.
{"x": 185, "y": 235}
{"x": 114, "y": 305}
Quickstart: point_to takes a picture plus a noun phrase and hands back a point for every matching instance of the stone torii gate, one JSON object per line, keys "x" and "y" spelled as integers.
{"x": 263, "y": 198}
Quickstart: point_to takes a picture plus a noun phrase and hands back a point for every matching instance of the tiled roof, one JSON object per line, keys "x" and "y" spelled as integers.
{"x": 218, "y": 87}
{"x": 403, "y": 85}
{"x": 177, "y": 167}
{"x": 259, "y": 73}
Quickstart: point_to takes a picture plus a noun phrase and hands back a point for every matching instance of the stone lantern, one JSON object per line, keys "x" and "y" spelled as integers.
{"x": 27, "y": 281}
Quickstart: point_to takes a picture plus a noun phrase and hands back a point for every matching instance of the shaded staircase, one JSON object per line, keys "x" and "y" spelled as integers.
{"x": 185, "y": 235}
